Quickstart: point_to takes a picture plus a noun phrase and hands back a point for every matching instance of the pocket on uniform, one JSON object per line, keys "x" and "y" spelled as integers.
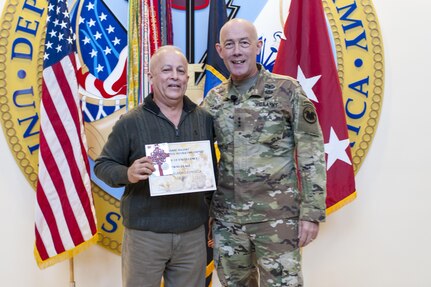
{"x": 269, "y": 130}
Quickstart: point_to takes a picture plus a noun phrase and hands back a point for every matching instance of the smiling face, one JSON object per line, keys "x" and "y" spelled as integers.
{"x": 238, "y": 48}
{"x": 168, "y": 75}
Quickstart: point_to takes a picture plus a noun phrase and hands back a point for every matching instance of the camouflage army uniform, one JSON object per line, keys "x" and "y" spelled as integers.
{"x": 258, "y": 134}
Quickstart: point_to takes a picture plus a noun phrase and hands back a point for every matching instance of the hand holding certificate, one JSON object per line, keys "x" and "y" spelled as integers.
{"x": 182, "y": 167}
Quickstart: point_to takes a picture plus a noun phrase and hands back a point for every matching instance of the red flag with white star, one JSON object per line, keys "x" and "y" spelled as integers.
{"x": 306, "y": 55}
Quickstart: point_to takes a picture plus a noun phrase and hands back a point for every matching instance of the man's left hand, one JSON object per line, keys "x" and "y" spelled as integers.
{"x": 307, "y": 232}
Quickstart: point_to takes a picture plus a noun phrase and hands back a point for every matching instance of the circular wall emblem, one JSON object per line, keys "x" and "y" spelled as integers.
{"x": 359, "y": 55}
{"x": 358, "y": 49}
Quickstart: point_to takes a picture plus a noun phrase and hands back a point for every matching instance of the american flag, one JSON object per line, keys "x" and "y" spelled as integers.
{"x": 65, "y": 219}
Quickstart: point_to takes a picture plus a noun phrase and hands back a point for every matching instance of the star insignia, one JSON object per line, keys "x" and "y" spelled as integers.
{"x": 336, "y": 150}
{"x": 308, "y": 84}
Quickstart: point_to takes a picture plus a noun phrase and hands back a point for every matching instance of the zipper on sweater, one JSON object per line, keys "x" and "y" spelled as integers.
{"x": 177, "y": 131}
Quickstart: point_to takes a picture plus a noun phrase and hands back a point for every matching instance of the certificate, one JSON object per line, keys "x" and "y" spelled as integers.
{"x": 182, "y": 167}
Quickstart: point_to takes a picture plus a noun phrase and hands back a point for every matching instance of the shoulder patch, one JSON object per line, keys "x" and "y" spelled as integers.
{"x": 309, "y": 113}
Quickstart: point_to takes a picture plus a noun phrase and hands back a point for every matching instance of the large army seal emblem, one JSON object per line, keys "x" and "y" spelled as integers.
{"x": 358, "y": 50}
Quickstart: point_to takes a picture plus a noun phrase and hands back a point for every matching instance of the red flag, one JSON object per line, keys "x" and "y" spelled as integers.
{"x": 65, "y": 219}
{"x": 306, "y": 55}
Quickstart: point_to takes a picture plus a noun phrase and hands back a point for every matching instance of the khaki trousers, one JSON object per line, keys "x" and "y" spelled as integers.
{"x": 179, "y": 258}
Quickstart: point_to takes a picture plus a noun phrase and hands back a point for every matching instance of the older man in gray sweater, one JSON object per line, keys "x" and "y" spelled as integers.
{"x": 164, "y": 235}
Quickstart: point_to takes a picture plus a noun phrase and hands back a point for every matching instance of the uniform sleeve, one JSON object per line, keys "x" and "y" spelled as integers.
{"x": 310, "y": 157}
{"x": 208, "y": 102}
{"x": 112, "y": 164}
{"x": 209, "y": 195}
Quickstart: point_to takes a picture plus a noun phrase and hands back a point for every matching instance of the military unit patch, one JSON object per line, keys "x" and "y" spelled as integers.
{"x": 309, "y": 113}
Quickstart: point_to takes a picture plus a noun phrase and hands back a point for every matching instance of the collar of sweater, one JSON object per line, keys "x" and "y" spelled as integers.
{"x": 149, "y": 103}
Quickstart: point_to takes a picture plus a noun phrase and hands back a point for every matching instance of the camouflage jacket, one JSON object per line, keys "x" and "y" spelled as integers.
{"x": 259, "y": 133}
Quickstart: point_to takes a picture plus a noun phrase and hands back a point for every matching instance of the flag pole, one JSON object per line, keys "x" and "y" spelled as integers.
{"x": 190, "y": 30}
{"x": 71, "y": 273}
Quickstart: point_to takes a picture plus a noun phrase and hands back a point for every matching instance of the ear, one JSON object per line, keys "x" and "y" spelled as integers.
{"x": 150, "y": 77}
{"x": 219, "y": 49}
{"x": 259, "y": 46}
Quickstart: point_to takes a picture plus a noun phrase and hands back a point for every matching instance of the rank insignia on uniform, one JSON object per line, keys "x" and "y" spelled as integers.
{"x": 269, "y": 89}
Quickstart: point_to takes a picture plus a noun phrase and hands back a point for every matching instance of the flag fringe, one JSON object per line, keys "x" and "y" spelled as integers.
{"x": 134, "y": 55}
{"x": 216, "y": 73}
{"x": 210, "y": 268}
{"x": 208, "y": 272}
{"x": 341, "y": 203}
{"x": 65, "y": 255}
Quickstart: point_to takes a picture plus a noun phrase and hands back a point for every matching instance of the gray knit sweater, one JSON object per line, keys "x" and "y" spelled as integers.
{"x": 147, "y": 125}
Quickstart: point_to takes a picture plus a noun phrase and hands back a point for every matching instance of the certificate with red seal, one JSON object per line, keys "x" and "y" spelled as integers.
{"x": 181, "y": 167}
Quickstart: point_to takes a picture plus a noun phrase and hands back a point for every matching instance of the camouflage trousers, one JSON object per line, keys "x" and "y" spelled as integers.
{"x": 265, "y": 252}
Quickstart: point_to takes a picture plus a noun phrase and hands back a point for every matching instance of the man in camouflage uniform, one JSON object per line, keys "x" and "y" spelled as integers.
{"x": 263, "y": 121}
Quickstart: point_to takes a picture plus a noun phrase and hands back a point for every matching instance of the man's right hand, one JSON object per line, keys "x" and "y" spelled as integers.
{"x": 141, "y": 169}
{"x": 210, "y": 232}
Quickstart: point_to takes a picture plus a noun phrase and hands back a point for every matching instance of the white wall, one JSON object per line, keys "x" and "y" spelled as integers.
{"x": 381, "y": 239}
